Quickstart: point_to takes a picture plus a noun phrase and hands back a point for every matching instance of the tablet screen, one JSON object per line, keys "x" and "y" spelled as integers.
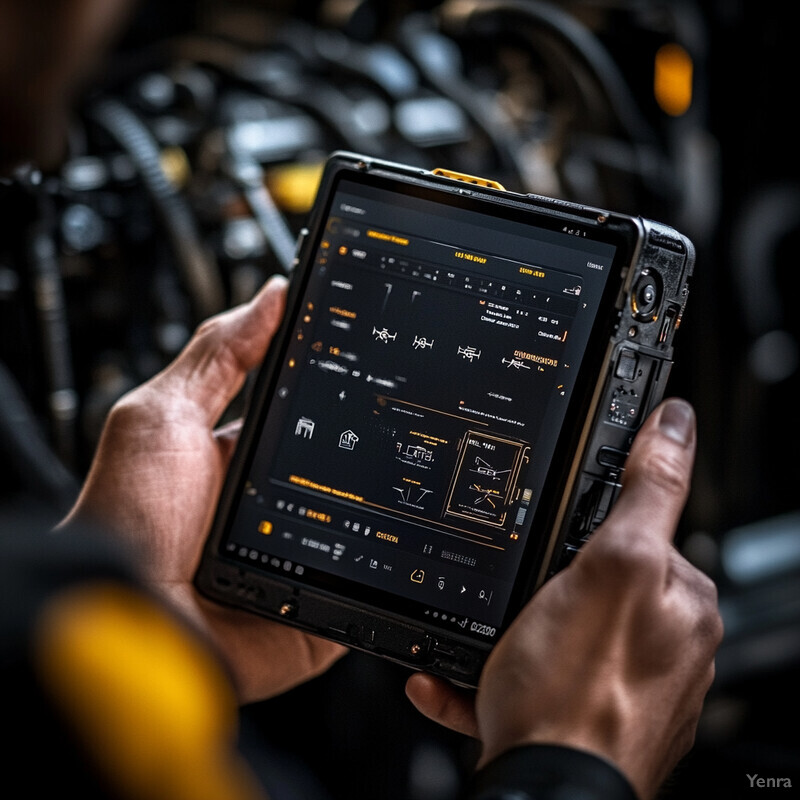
{"x": 433, "y": 365}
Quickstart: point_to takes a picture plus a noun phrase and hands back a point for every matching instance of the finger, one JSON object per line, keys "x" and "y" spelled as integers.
{"x": 266, "y": 658}
{"x": 212, "y": 367}
{"x": 443, "y": 703}
{"x": 658, "y": 473}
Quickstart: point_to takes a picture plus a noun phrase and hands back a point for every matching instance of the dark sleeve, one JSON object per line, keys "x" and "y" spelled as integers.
{"x": 548, "y": 772}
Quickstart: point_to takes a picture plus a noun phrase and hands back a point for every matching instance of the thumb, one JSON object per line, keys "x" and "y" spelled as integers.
{"x": 443, "y": 703}
{"x": 211, "y": 369}
{"x": 658, "y": 473}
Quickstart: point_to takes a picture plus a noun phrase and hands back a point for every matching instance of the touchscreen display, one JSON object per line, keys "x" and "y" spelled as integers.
{"x": 416, "y": 407}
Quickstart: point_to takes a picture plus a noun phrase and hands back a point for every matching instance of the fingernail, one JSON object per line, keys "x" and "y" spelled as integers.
{"x": 677, "y": 421}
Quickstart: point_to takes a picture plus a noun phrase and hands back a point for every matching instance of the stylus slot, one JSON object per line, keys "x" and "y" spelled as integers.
{"x": 669, "y": 325}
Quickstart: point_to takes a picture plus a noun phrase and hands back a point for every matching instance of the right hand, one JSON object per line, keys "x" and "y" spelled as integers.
{"x": 615, "y": 654}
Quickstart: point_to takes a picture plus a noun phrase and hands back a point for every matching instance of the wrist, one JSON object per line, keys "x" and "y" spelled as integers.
{"x": 546, "y": 771}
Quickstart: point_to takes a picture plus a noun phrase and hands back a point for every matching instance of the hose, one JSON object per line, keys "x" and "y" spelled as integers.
{"x": 197, "y": 267}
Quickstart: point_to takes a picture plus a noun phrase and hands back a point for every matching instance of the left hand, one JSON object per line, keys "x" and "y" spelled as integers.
{"x": 158, "y": 472}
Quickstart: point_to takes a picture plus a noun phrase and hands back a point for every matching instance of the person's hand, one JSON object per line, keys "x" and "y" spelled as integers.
{"x": 156, "y": 477}
{"x": 615, "y": 654}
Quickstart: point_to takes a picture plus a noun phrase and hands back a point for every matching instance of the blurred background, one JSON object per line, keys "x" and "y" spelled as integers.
{"x": 193, "y": 161}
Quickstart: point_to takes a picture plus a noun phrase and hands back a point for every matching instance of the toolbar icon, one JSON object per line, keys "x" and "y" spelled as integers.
{"x": 304, "y": 427}
{"x": 347, "y": 441}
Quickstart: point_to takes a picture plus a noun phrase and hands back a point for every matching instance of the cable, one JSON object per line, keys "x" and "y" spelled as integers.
{"x": 40, "y": 254}
{"x": 581, "y": 41}
{"x": 51, "y": 311}
{"x": 249, "y": 176}
{"x": 526, "y": 17}
{"x": 24, "y": 447}
{"x": 197, "y": 266}
{"x": 438, "y": 59}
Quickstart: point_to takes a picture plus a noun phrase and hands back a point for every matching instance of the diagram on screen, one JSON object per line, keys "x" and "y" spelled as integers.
{"x": 485, "y": 480}
{"x": 483, "y": 467}
{"x": 412, "y": 494}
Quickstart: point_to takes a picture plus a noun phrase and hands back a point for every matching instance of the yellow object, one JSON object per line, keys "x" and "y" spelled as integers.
{"x": 294, "y": 186}
{"x": 175, "y": 164}
{"x": 149, "y": 704}
{"x": 672, "y": 79}
{"x": 474, "y": 179}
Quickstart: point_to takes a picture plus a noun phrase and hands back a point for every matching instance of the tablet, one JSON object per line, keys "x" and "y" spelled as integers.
{"x": 444, "y": 416}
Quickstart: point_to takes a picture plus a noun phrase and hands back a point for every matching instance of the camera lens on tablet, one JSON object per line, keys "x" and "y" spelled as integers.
{"x": 646, "y": 296}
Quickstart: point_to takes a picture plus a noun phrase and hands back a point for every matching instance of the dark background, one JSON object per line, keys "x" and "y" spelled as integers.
{"x": 573, "y": 83}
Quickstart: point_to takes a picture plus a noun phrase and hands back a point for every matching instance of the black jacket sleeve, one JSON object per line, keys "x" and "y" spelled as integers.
{"x": 548, "y": 772}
